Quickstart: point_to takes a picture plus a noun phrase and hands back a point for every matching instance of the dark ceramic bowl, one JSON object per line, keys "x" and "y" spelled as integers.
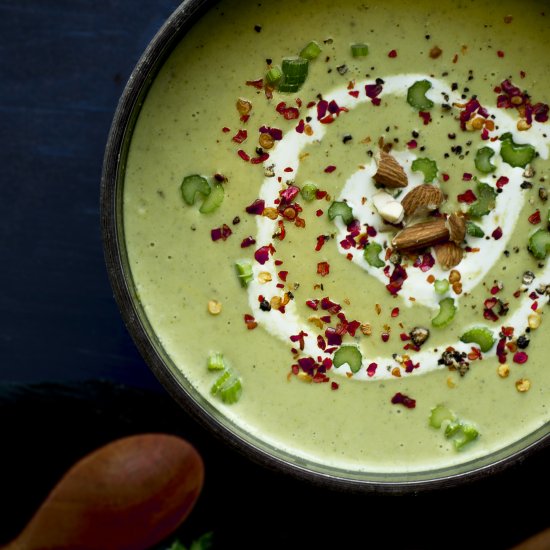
{"x": 148, "y": 344}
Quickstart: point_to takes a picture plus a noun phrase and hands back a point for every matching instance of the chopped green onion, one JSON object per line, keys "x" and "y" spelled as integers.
{"x": 342, "y": 209}
{"x": 231, "y": 389}
{"x": 486, "y": 200}
{"x": 215, "y": 361}
{"x": 461, "y": 434}
{"x": 359, "y": 50}
{"x": 427, "y": 166}
{"x": 371, "y": 254}
{"x": 481, "y": 336}
{"x": 309, "y": 191}
{"x": 274, "y": 75}
{"x": 311, "y": 51}
{"x": 288, "y": 88}
{"x": 447, "y": 311}
{"x": 244, "y": 272}
{"x": 539, "y": 244}
{"x": 191, "y": 185}
{"x": 416, "y": 95}
{"x": 483, "y": 160}
{"x": 350, "y": 355}
{"x": 441, "y": 286}
{"x": 474, "y": 230}
{"x": 213, "y": 200}
{"x": 295, "y": 70}
{"x": 223, "y": 378}
{"x": 439, "y": 415}
{"x": 515, "y": 154}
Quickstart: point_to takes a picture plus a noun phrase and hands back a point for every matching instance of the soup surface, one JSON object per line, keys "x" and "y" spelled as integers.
{"x": 345, "y": 338}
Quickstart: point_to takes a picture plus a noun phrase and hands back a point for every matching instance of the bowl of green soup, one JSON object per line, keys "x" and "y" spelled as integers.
{"x": 326, "y": 226}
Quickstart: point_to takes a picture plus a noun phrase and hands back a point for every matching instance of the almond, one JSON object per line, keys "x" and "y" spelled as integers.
{"x": 390, "y": 173}
{"x": 421, "y": 235}
{"x": 422, "y": 199}
{"x": 448, "y": 254}
{"x": 457, "y": 228}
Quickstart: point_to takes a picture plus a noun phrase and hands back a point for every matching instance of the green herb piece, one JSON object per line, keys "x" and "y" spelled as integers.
{"x": 371, "y": 254}
{"x": 359, "y": 50}
{"x": 213, "y": 200}
{"x": 515, "y": 154}
{"x": 461, "y": 434}
{"x": 447, "y": 311}
{"x": 481, "y": 336}
{"x": 244, "y": 273}
{"x": 350, "y": 355}
{"x": 342, "y": 209}
{"x": 427, "y": 166}
{"x": 288, "y": 88}
{"x": 483, "y": 160}
{"x": 193, "y": 185}
{"x": 486, "y": 200}
{"x": 311, "y": 51}
{"x": 228, "y": 386}
{"x": 439, "y": 415}
{"x": 539, "y": 244}
{"x": 416, "y": 95}
{"x": 474, "y": 230}
{"x": 274, "y": 75}
{"x": 441, "y": 286}
{"x": 295, "y": 70}
{"x": 309, "y": 192}
{"x": 215, "y": 361}
{"x": 223, "y": 378}
{"x": 204, "y": 542}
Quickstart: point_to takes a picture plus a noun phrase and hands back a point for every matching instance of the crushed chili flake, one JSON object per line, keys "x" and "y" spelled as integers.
{"x": 334, "y": 385}
{"x": 467, "y": 197}
{"x": 445, "y": 177}
{"x": 397, "y": 278}
{"x": 385, "y": 336}
{"x": 240, "y": 136}
{"x": 321, "y": 239}
{"x": 223, "y": 233}
{"x": 283, "y": 275}
{"x": 256, "y": 83}
{"x": 534, "y": 218}
{"x": 329, "y": 169}
{"x": 412, "y": 144}
{"x": 497, "y": 233}
{"x": 354, "y": 93}
{"x": 225, "y": 129}
{"x": 425, "y": 116}
{"x": 501, "y": 182}
{"x": 313, "y": 304}
{"x": 323, "y": 268}
{"x": 257, "y": 207}
{"x": 395, "y": 312}
{"x": 260, "y": 158}
{"x": 301, "y": 126}
{"x": 466, "y": 176}
{"x": 248, "y": 241}
{"x": 402, "y": 399}
{"x": 250, "y": 322}
{"x": 319, "y": 213}
{"x": 392, "y": 54}
{"x": 500, "y": 53}
{"x": 289, "y": 113}
{"x": 243, "y": 155}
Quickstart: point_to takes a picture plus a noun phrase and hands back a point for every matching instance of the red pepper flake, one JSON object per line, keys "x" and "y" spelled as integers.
{"x": 329, "y": 169}
{"x": 385, "y": 336}
{"x": 257, "y": 207}
{"x": 281, "y": 232}
{"x": 495, "y": 289}
{"x": 392, "y": 54}
{"x": 445, "y": 177}
{"x": 349, "y": 256}
{"x": 354, "y": 93}
{"x": 534, "y": 306}
{"x": 278, "y": 262}
{"x": 321, "y": 239}
{"x": 334, "y": 385}
{"x": 289, "y": 113}
{"x": 250, "y": 322}
{"x": 259, "y": 159}
{"x": 222, "y": 233}
{"x": 371, "y": 369}
{"x": 466, "y": 176}
{"x": 243, "y": 155}
{"x": 522, "y": 74}
{"x": 313, "y": 304}
{"x": 534, "y": 218}
{"x": 397, "y": 279}
{"x": 323, "y": 268}
{"x": 467, "y": 197}
{"x": 402, "y": 399}
{"x": 412, "y": 144}
{"x": 425, "y": 116}
{"x": 395, "y": 312}
{"x": 501, "y": 182}
{"x": 520, "y": 357}
{"x": 262, "y": 254}
{"x": 240, "y": 136}
{"x": 289, "y": 169}
{"x": 474, "y": 354}
{"x": 330, "y": 306}
{"x": 256, "y": 83}
{"x": 301, "y": 126}
{"x": 225, "y": 129}
{"x": 283, "y": 275}
{"x": 500, "y": 53}
{"x": 319, "y": 213}
{"x": 248, "y": 241}
{"x": 497, "y": 233}
{"x": 326, "y": 318}
{"x": 404, "y": 337}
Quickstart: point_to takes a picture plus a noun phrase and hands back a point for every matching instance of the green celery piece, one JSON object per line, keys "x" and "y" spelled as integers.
{"x": 231, "y": 389}
{"x": 440, "y": 414}
{"x": 288, "y": 88}
{"x": 213, "y": 200}
{"x": 359, "y": 50}
{"x": 486, "y": 200}
{"x": 350, "y": 355}
{"x": 223, "y": 378}
{"x": 295, "y": 69}
{"x": 193, "y": 185}
{"x": 539, "y": 244}
{"x": 177, "y": 545}
{"x": 441, "y": 286}
{"x": 371, "y": 254}
{"x": 342, "y": 209}
{"x": 274, "y": 75}
{"x": 481, "y": 336}
{"x": 447, "y": 311}
{"x": 309, "y": 192}
{"x": 244, "y": 273}
{"x": 204, "y": 542}
{"x": 427, "y": 166}
{"x": 215, "y": 361}
{"x": 515, "y": 154}
{"x": 474, "y": 230}
{"x": 311, "y": 51}
{"x": 416, "y": 95}
{"x": 483, "y": 160}
{"x": 461, "y": 434}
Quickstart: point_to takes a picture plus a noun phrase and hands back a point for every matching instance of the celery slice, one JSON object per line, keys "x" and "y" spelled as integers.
{"x": 213, "y": 200}
{"x": 311, "y": 51}
{"x": 461, "y": 434}
{"x": 231, "y": 390}
{"x": 244, "y": 273}
{"x": 427, "y": 166}
{"x": 359, "y": 50}
{"x": 371, "y": 254}
{"x": 439, "y": 415}
{"x": 515, "y": 154}
{"x": 486, "y": 200}
{"x": 416, "y": 95}
{"x": 342, "y": 209}
{"x": 193, "y": 185}
{"x": 474, "y": 230}
{"x": 274, "y": 75}
{"x": 441, "y": 286}
{"x": 350, "y": 355}
{"x": 447, "y": 311}
{"x": 309, "y": 192}
{"x": 481, "y": 336}
{"x": 223, "y": 378}
{"x": 483, "y": 160}
{"x": 215, "y": 361}
{"x": 539, "y": 244}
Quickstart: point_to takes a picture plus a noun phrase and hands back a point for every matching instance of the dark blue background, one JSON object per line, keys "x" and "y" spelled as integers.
{"x": 63, "y": 65}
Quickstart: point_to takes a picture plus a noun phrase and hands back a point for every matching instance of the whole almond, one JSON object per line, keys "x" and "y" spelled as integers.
{"x": 457, "y": 228}
{"x": 421, "y": 235}
{"x": 448, "y": 254}
{"x": 422, "y": 199}
{"x": 390, "y": 173}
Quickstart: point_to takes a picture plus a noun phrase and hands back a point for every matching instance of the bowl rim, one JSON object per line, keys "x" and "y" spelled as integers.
{"x": 111, "y": 187}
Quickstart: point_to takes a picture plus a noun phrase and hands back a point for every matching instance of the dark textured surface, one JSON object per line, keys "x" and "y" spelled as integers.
{"x": 63, "y": 64}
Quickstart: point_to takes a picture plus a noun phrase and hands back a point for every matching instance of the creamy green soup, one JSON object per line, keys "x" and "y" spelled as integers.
{"x": 314, "y": 291}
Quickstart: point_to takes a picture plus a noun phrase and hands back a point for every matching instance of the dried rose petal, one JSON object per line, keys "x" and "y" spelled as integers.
{"x": 329, "y": 169}
{"x": 497, "y": 233}
{"x": 520, "y": 357}
{"x": 397, "y": 279}
{"x": 332, "y": 336}
{"x": 257, "y": 207}
{"x": 248, "y": 241}
{"x": 534, "y": 218}
{"x": 289, "y": 194}
{"x": 402, "y": 399}
{"x": 371, "y": 369}
{"x": 262, "y": 254}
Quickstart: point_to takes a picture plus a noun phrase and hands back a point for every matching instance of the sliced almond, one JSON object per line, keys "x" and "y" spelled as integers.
{"x": 422, "y": 199}
{"x": 448, "y": 254}
{"x": 388, "y": 208}
{"x": 457, "y": 228}
{"x": 390, "y": 173}
{"x": 421, "y": 235}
